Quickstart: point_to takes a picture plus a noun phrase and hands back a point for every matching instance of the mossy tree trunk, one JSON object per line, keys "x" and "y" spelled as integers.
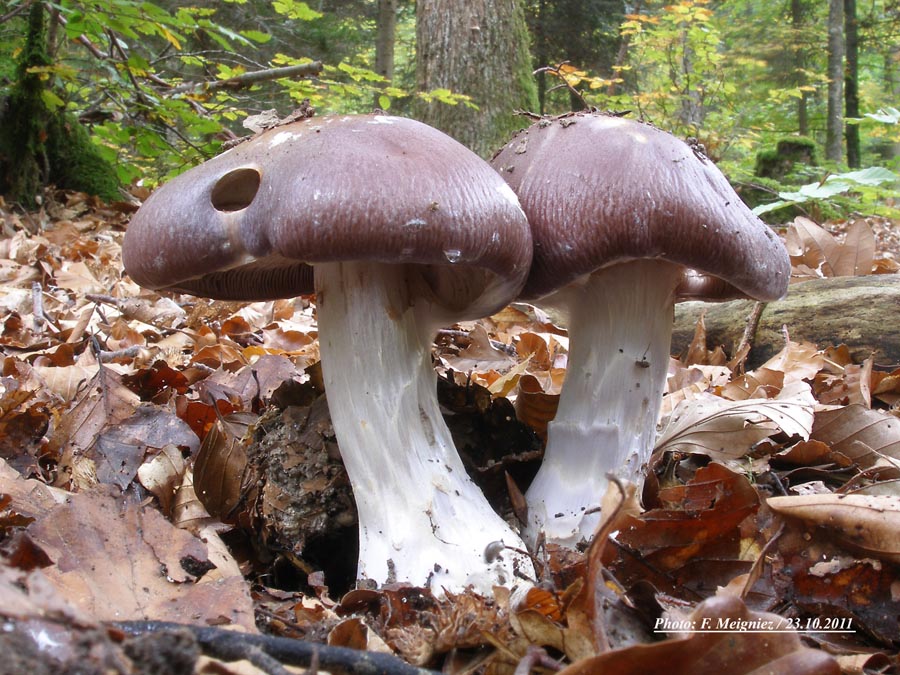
{"x": 478, "y": 48}
{"x": 23, "y": 131}
{"x": 42, "y": 145}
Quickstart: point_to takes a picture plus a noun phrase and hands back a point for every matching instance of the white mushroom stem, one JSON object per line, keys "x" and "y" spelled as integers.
{"x": 421, "y": 518}
{"x": 619, "y": 334}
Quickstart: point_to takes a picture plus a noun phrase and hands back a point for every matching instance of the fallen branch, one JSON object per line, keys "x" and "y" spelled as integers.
{"x": 228, "y": 645}
{"x": 860, "y": 312}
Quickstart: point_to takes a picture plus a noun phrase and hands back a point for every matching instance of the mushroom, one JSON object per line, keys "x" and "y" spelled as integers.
{"x": 403, "y": 230}
{"x": 620, "y": 213}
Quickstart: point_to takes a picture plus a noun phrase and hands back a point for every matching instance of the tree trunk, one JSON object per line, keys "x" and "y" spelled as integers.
{"x": 478, "y": 48}
{"x": 798, "y": 14}
{"x": 835, "y": 121}
{"x": 860, "y": 312}
{"x": 851, "y": 82}
{"x": 386, "y": 24}
{"x": 24, "y": 165}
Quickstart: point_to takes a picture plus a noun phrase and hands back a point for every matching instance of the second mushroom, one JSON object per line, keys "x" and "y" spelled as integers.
{"x": 619, "y": 212}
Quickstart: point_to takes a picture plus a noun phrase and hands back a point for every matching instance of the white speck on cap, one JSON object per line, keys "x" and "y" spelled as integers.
{"x": 282, "y": 137}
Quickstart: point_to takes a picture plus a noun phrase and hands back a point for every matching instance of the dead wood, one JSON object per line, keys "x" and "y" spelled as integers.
{"x": 861, "y": 312}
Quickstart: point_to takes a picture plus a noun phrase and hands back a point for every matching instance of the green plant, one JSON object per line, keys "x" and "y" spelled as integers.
{"x": 863, "y": 190}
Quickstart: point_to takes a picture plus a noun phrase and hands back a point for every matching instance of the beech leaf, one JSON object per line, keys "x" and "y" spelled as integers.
{"x": 728, "y": 429}
{"x": 869, "y": 523}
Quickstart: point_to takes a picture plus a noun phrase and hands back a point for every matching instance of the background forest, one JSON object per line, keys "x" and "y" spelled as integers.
{"x": 161, "y": 85}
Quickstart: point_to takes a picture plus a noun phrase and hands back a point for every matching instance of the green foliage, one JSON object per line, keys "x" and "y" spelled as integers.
{"x": 863, "y": 191}
{"x": 140, "y": 70}
{"x": 730, "y": 73}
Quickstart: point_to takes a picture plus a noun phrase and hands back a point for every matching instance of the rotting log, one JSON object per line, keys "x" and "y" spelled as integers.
{"x": 860, "y": 312}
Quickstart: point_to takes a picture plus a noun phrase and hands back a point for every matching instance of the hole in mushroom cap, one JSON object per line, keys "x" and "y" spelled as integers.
{"x": 235, "y": 190}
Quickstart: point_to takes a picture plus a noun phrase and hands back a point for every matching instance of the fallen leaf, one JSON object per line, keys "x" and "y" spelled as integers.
{"x": 869, "y": 524}
{"x": 713, "y": 651}
{"x": 119, "y": 561}
{"x": 725, "y": 429}
{"x": 862, "y": 435}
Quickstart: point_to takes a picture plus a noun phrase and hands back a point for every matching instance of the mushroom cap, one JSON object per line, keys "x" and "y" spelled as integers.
{"x": 247, "y": 224}
{"x": 600, "y": 190}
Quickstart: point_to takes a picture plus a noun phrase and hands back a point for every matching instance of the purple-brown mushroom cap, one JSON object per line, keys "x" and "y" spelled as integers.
{"x": 247, "y": 224}
{"x": 600, "y": 190}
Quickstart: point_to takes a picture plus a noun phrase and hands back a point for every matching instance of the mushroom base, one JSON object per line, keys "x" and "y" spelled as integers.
{"x": 421, "y": 518}
{"x": 620, "y": 329}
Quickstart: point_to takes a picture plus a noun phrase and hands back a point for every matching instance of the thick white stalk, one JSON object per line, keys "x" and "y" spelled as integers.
{"x": 421, "y": 518}
{"x": 619, "y": 332}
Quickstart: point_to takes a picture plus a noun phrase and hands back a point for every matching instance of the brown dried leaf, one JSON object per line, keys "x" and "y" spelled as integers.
{"x": 712, "y": 653}
{"x": 162, "y": 475}
{"x": 105, "y": 402}
{"x": 857, "y": 254}
{"x": 220, "y": 466}
{"x": 123, "y": 562}
{"x": 480, "y": 355}
{"x": 725, "y": 429}
{"x": 120, "y": 449}
{"x": 867, "y": 523}
{"x": 534, "y": 407}
{"x": 860, "y": 434}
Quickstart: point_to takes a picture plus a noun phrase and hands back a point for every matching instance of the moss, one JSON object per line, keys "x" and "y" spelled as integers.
{"x": 76, "y": 163}
{"x": 39, "y": 146}
{"x": 788, "y": 153}
{"x": 758, "y": 191}
{"x": 24, "y": 116}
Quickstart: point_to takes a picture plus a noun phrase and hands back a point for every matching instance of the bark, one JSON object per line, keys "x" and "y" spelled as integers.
{"x": 835, "y": 121}
{"x": 798, "y": 14}
{"x": 478, "y": 48}
{"x": 851, "y": 82}
{"x": 860, "y": 312}
{"x": 384, "y": 38}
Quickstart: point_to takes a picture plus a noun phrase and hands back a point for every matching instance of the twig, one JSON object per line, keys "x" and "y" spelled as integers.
{"x": 557, "y": 72}
{"x": 536, "y": 656}
{"x": 37, "y": 306}
{"x": 247, "y": 79}
{"x": 751, "y": 327}
{"x": 15, "y": 11}
{"x": 230, "y": 646}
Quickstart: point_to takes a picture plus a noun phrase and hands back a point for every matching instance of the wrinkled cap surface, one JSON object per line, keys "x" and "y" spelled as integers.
{"x": 599, "y": 190}
{"x": 247, "y": 224}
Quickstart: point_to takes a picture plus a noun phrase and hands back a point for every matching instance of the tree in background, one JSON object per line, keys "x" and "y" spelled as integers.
{"x": 477, "y": 48}
{"x": 584, "y": 34}
{"x": 39, "y": 142}
{"x": 851, "y": 82}
{"x": 835, "y": 119}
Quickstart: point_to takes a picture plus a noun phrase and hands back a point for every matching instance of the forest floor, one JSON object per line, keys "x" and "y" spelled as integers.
{"x": 772, "y": 507}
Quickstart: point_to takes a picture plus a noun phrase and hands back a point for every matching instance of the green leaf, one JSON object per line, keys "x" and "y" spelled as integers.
{"x": 256, "y": 35}
{"x": 51, "y": 100}
{"x": 886, "y": 115}
{"x": 874, "y": 175}
{"x": 295, "y": 10}
{"x": 774, "y": 206}
{"x": 384, "y": 102}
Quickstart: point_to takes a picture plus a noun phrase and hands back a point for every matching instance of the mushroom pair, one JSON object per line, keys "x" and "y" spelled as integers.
{"x": 625, "y": 219}
{"x": 399, "y": 230}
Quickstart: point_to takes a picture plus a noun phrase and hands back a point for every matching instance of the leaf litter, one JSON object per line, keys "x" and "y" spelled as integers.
{"x": 171, "y": 459}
